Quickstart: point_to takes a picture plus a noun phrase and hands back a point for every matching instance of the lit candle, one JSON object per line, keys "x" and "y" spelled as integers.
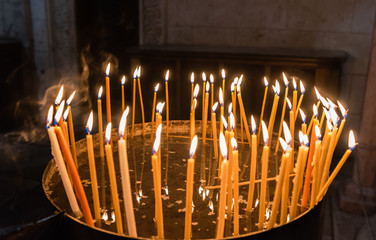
{"x": 100, "y": 124}
{"x": 292, "y": 131}
{"x": 108, "y": 96}
{"x": 286, "y": 180}
{"x": 205, "y": 116}
{"x": 189, "y": 190}
{"x": 111, "y": 173}
{"x": 134, "y": 98}
{"x": 211, "y": 90}
{"x": 294, "y": 96}
{"x": 157, "y": 189}
{"x": 263, "y": 107}
{"x": 235, "y": 174}
{"x": 302, "y": 91}
{"x": 222, "y": 197}
{"x": 344, "y": 116}
{"x": 203, "y": 98}
{"x": 193, "y": 109}
{"x": 167, "y": 103}
{"x": 315, "y": 115}
{"x": 274, "y": 110}
{"x": 238, "y": 89}
{"x": 234, "y": 101}
{"x": 141, "y": 101}
{"x": 93, "y": 171}
{"x": 278, "y": 189}
{"x": 56, "y": 153}
{"x": 221, "y": 104}
{"x": 192, "y": 85}
{"x": 214, "y": 129}
{"x": 122, "y": 94}
{"x": 225, "y": 125}
{"x": 71, "y": 128}
{"x": 316, "y": 157}
{"x": 264, "y": 175}
{"x": 230, "y": 165}
{"x": 324, "y": 150}
{"x": 153, "y": 111}
{"x": 66, "y": 134}
{"x": 73, "y": 170}
{"x": 125, "y": 179}
{"x": 286, "y": 81}
{"x": 304, "y": 125}
{"x": 325, "y": 187}
{"x": 252, "y": 174}
{"x": 223, "y": 82}
{"x": 59, "y": 97}
{"x": 325, "y": 106}
{"x": 244, "y": 117}
{"x": 299, "y": 169}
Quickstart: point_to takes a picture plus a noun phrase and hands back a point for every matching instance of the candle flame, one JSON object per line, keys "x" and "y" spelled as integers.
{"x": 333, "y": 116}
{"x": 59, "y": 95}
{"x": 108, "y": 69}
{"x": 211, "y": 79}
{"x": 285, "y": 79}
{"x": 71, "y": 98}
{"x": 301, "y": 136}
{"x": 331, "y": 104}
{"x": 113, "y": 216}
{"x": 211, "y": 205}
{"x": 267, "y": 214}
{"x": 317, "y": 132}
{"x": 100, "y": 92}
{"x": 223, "y": 145}
{"x": 66, "y": 113}
{"x": 232, "y": 122}
{"x": 192, "y": 77}
{"x": 156, "y": 87}
{"x": 220, "y": 97}
{"x": 89, "y": 123}
{"x": 287, "y": 133}
{"x": 167, "y": 75}
{"x": 294, "y": 83}
{"x": 236, "y": 79}
{"x": 59, "y": 111}
{"x": 315, "y": 112}
{"x": 193, "y": 147}
{"x": 105, "y": 216}
{"x": 123, "y": 122}
{"x": 302, "y": 114}
{"x": 277, "y": 88}
{"x": 324, "y": 102}
{"x": 135, "y": 73}
{"x": 139, "y": 72}
{"x": 257, "y": 202}
{"x": 253, "y": 124}
{"x": 342, "y": 109}
{"x": 223, "y": 74}
{"x": 289, "y": 103}
{"x": 302, "y": 89}
{"x": 207, "y": 88}
{"x": 317, "y": 94}
{"x": 160, "y": 107}
{"x": 215, "y": 106}
{"x": 159, "y": 131}
{"x": 265, "y": 133}
{"x": 156, "y": 144}
{"x": 49, "y": 115}
{"x": 224, "y": 122}
{"x": 108, "y": 133}
{"x": 283, "y": 144}
{"x": 352, "y": 142}
{"x": 195, "y": 92}
{"x": 123, "y": 80}
{"x": 330, "y": 126}
{"x": 266, "y": 82}
{"x": 240, "y": 81}
{"x": 232, "y": 86}
{"x": 305, "y": 140}
{"x": 229, "y": 109}
{"x": 203, "y": 77}
{"x": 234, "y": 144}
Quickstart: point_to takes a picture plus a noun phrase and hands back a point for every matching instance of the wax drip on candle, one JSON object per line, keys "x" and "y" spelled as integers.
{"x": 302, "y": 114}
{"x": 253, "y": 125}
{"x": 220, "y": 97}
{"x": 287, "y": 133}
{"x": 224, "y": 122}
{"x": 59, "y": 111}
{"x": 59, "y": 95}
{"x": 108, "y": 133}
{"x": 69, "y": 101}
{"x": 123, "y": 80}
{"x": 223, "y": 145}
{"x": 192, "y": 150}
{"x": 285, "y": 80}
{"x": 232, "y": 122}
{"x": 89, "y": 124}
{"x": 214, "y": 108}
{"x": 265, "y": 133}
{"x": 343, "y": 110}
{"x": 123, "y": 122}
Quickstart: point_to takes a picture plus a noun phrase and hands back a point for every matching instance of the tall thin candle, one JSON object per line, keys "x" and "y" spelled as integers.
{"x": 286, "y": 81}
{"x": 214, "y": 129}
{"x": 205, "y": 116}
{"x": 141, "y": 101}
{"x": 262, "y": 108}
{"x": 264, "y": 175}
{"x": 302, "y": 91}
{"x": 252, "y": 168}
{"x": 274, "y": 110}
{"x": 235, "y": 174}
{"x": 108, "y": 95}
{"x": 157, "y": 189}
{"x": 134, "y": 99}
{"x": 71, "y": 128}
{"x": 122, "y": 94}
{"x": 100, "y": 123}
{"x": 153, "y": 111}
{"x": 167, "y": 102}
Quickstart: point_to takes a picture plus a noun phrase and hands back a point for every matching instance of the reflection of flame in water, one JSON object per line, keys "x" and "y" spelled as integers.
{"x": 193, "y": 206}
{"x": 200, "y": 189}
{"x": 256, "y": 202}
{"x": 166, "y": 190}
{"x": 105, "y": 216}
{"x": 140, "y": 192}
{"x": 138, "y": 198}
{"x": 216, "y": 197}
{"x": 288, "y": 217}
{"x": 211, "y": 206}
{"x": 267, "y": 214}
{"x": 113, "y": 216}
{"x": 233, "y": 203}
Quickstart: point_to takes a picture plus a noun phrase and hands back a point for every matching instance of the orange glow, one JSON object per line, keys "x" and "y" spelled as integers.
{"x": 49, "y": 115}
{"x": 302, "y": 89}
{"x": 89, "y": 124}
{"x": 66, "y": 113}
{"x": 266, "y": 82}
{"x": 195, "y": 92}
{"x": 123, "y": 80}
{"x": 220, "y": 97}
{"x": 285, "y": 80}
{"x": 287, "y": 133}
{"x": 192, "y": 77}
{"x": 215, "y": 106}
{"x": 223, "y": 145}
{"x": 108, "y": 133}
{"x": 234, "y": 144}
{"x": 232, "y": 122}
{"x": 100, "y": 92}
{"x": 317, "y": 132}
{"x": 289, "y": 103}
{"x": 59, "y": 95}
{"x": 108, "y": 69}
{"x": 253, "y": 124}
{"x": 265, "y": 133}
{"x": 203, "y": 77}
{"x": 59, "y": 111}
{"x": 71, "y": 98}
{"x": 352, "y": 142}
{"x": 294, "y": 83}
{"x": 193, "y": 147}
{"x": 123, "y": 122}
{"x": 224, "y": 122}
{"x": 302, "y": 114}
{"x": 167, "y": 75}
{"x": 156, "y": 87}
{"x": 283, "y": 144}
{"x": 211, "y": 79}
{"x": 223, "y": 74}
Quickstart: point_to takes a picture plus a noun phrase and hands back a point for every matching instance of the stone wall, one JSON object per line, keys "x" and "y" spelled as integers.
{"x": 324, "y": 25}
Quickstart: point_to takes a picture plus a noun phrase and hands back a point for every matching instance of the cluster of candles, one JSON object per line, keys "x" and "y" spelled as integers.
{"x": 311, "y": 164}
